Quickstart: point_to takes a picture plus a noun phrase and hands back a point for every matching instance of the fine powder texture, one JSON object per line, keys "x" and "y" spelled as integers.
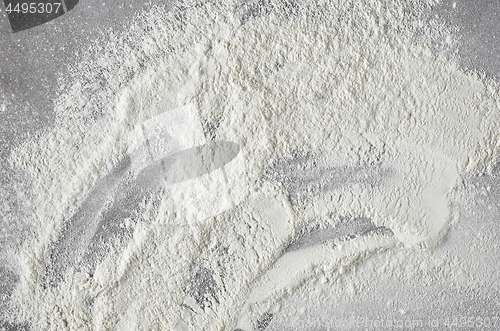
{"x": 344, "y": 84}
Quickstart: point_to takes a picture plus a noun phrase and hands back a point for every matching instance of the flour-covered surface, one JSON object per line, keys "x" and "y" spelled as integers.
{"x": 238, "y": 165}
{"x": 452, "y": 287}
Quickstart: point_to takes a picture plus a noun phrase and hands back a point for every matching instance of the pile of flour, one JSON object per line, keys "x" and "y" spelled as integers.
{"x": 360, "y": 83}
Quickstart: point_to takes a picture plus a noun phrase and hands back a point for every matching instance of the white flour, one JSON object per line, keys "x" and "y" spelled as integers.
{"x": 357, "y": 84}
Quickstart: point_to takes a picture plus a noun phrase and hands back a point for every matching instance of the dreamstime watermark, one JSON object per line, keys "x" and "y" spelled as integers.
{"x": 363, "y": 322}
{"x": 378, "y": 323}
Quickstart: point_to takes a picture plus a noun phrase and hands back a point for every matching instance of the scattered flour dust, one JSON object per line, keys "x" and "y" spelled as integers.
{"x": 350, "y": 80}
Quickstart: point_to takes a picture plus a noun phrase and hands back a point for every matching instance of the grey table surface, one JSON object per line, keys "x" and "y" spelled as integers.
{"x": 32, "y": 61}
